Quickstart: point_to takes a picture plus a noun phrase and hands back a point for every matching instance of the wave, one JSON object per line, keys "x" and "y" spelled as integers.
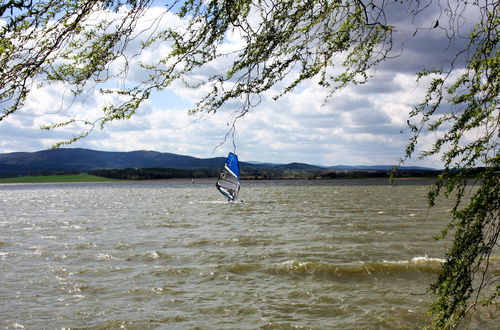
{"x": 214, "y": 202}
{"x": 416, "y": 265}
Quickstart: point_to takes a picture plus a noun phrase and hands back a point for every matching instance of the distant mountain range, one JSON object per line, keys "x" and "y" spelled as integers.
{"x": 66, "y": 160}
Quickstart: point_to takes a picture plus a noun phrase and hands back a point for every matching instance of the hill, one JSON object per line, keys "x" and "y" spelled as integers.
{"x": 85, "y": 160}
{"x": 152, "y": 164}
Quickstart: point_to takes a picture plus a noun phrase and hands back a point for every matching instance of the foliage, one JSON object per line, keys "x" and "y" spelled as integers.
{"x": 305, "y": 37}
{"x": 156, "y": 173}
{"x": 336, "y": 42}
{"x": 470, "y": 139}
{"x": 60, "y": 40}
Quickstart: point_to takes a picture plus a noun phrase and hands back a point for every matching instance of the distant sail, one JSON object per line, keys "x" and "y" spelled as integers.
{"x": 229, "y": 179}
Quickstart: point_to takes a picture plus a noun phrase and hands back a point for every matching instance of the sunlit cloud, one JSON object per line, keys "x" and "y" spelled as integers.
{"x": 362, "y": 124}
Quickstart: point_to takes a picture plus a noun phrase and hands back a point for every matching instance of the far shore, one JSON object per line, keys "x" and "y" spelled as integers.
{"x": 85, "y": 178}
{"x": 56, "y": 179}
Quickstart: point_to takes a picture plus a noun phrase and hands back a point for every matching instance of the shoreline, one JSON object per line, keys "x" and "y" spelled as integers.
{"x": 87, "y": 178}
{"x": 77, "y": 178}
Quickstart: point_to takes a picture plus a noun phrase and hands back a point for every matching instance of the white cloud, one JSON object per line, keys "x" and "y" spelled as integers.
{"x": 358, "y": 125}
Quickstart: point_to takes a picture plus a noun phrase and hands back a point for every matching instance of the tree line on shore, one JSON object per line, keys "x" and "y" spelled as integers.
{"x": 160, "y": 173}
{"x": 252, "y": 173}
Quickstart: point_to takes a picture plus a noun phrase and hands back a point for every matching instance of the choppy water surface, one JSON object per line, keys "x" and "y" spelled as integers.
{"x": 319, "y": 254}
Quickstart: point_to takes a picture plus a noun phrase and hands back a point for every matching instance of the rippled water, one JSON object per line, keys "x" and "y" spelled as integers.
{"x": 172, "y": 254}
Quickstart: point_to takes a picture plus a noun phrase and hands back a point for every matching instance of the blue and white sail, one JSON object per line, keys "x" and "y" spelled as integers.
{"x": 229, "y": 179}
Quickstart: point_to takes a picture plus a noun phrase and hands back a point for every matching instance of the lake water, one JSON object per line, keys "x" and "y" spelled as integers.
{"x": 176, "y": 255}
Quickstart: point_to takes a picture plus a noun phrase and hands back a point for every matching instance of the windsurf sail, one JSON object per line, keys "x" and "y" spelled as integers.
{"x": 229, "y": 179}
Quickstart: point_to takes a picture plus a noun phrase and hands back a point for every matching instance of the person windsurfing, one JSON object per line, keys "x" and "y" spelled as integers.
{"x": 229, "y": 179}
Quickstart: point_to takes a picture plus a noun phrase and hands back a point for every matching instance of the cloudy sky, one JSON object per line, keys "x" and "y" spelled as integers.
{"x": 359, "y": 125}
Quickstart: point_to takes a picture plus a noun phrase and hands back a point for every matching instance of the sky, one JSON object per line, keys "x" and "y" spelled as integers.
{"x": 358, "y": 125}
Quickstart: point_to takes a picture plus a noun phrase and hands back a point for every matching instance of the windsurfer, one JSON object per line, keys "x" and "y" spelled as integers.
{"x": 231, "y": 193}
{"x": 229, "y": 180}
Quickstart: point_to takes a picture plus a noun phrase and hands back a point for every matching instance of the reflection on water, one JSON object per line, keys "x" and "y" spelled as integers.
{"x": 320, "y": 254}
